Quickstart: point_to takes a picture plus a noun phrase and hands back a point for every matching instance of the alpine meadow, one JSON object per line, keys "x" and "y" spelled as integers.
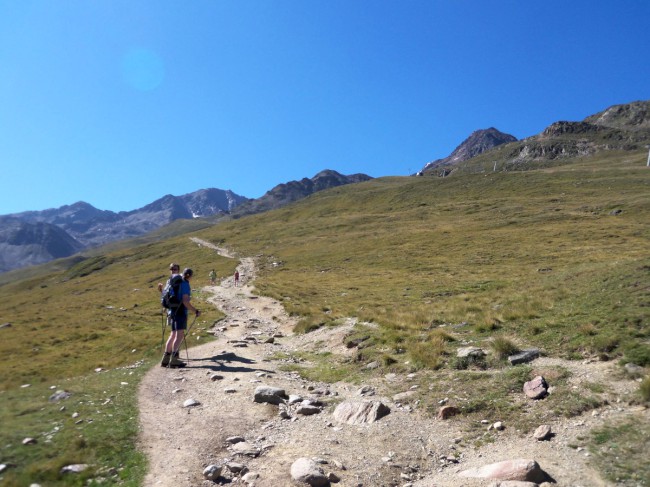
{"x": 552, "y": 256}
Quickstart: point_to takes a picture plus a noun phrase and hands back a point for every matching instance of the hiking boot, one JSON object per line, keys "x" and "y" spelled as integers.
{"x": 175, "y": 362}
{"x": 165, "y": 360}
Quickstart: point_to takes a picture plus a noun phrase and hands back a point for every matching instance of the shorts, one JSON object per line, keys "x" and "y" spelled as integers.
{"x": 178, "y": 321}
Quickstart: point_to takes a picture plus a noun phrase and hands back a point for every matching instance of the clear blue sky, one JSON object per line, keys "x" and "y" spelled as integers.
{"x": 118, "y": 103}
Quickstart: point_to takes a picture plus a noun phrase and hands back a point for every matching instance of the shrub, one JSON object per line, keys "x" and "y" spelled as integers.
{"x": 644, "y": 389}
{"x": 503, "y": 347}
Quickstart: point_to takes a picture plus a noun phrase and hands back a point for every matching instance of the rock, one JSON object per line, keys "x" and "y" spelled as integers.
{"x": 76, "y": 468}
{"x": 245, "y": 448}
{"x": 235, "y": 439}
{"x": 307, "y": 471}
{"x": 5, "y": 325}
{"x": 215, "y": 377}
{"x": 212, "y": 472}
{"x": 498, "y": 426}
{"x": 543, "y": 432}
{"x": 372, "y": 365}
{"x": 59, "y": 396}
{"x": 524, "y": 356}
{"x": 29, "y": 441}
{"x": 446, "y": 412}
{"x": 402, "y": 396}
{"x": 271, "y": 395}
{"x": 536, "y": 388}
{"x": 518, "y": 469}
{"x": 473, "y": 352}
{"x": 359, "y": 412}
{"x": 366, "y": 391}
{"x": 191, "y": 403}
{"x": 332, "y": 477}
{"x": 634, "y": 370}
{"x": 235, "y": 467}
{"x": 294, "y": 398}
{"x": 250, "y": 477}
{"x": 307, "y": 409}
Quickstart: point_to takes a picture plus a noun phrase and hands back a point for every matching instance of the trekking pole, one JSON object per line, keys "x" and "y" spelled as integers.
{"x": 162, "y": 340}
{"x": 189, "y": 329}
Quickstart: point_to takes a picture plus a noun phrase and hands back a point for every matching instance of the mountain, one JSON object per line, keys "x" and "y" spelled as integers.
{"x": 286, "y": 193}
{"x": 477, "y": 143}
{"x": 618, "y": 128}
{"x": 23, "y": 244}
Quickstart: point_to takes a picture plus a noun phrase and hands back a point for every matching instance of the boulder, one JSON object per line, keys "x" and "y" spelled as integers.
{"x": 446, "y": 412}
{"x": 271, "y": 395}
{"x": 473, "y": 352}
{"x": 524, "y": 356}
{"x": 536, "y": 388}
{"x": 307, "y": 471}
{"x": 359, "y": 412}
{"x": 519, "y": 469}
{"x": 543, "y": 432}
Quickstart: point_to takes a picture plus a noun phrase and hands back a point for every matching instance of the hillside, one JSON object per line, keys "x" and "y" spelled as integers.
{"x": 553, "y": 259}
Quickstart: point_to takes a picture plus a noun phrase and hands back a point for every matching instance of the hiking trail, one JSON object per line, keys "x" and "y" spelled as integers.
{"x": 406, "y": 447}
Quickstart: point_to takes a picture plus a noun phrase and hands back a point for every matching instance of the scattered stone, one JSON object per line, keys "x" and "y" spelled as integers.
{"x": 235, "y": 467}
{"x": 294, "y": 398}
{"x": 250, "y": 477}
{"x": 75, "y": 468}
{"x": 519, "y": 469}
{"x": 536, "y": 388}
{"x": 59, "y": 396}
{"x": 366, "y": 391}
{"x": 446, "y": 412}
{"x": 307, "y": 409}
{"x": 402, "y": 396}
{"x": 307, "y": 471}
{"x": 543, "y": 432}
{"x": 215, "y": 377}
{"x": 5, "y": 325}
{"x": 235, "y": 439}
{"x": 212, "y": 472}
{"x": 524, "y": 356}
{"x": 230, "y": 390}
{"x": 191, "y": 403}
{"x": 359, "y": 412}
{"x": 332, "y": 477}
{"x": 372, "y": 365}
{"x": 616, "y": 212}
{"x": 245, "y": 448}
{"x": 634, "y": 370}
{"x": 498, "y": 426}
{"x": 271, "y": 395}
{"x": 29, "y": 441}
{"x": 472, "y": 352}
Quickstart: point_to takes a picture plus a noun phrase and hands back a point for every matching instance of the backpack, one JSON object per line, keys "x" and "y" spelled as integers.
{"x": 171, "y": 295}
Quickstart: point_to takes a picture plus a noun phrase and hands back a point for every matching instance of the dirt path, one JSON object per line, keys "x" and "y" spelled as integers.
{"x": 403, "y": 448}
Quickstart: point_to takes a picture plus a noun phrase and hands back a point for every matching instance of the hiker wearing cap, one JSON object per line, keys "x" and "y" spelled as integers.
{"x": 174, "y": 268}
{"x": 178, "y": 321}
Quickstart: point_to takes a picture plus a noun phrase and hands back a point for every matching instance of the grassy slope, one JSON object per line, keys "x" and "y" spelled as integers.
{"x": 535, "y": 257}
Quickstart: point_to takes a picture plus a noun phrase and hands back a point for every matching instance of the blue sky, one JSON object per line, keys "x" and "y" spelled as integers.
{"x": 118, "y": 103}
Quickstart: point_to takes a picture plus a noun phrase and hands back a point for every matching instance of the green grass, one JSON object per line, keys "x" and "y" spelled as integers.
{"x": 431, "y": 262}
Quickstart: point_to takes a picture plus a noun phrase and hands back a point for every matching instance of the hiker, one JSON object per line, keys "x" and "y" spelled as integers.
{"x": 174, "y": 269}
{"x": 213, "y": 277}
{"x": 178, "y": 321}
{"x": 236, "y": 278}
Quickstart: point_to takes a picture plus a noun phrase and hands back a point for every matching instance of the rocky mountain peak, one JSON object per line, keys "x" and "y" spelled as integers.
{"x": 629, "y": 116}
{"x": 477, "y": 143}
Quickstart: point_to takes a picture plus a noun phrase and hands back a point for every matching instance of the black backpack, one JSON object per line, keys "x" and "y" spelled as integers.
{"x": 171, "y": 295}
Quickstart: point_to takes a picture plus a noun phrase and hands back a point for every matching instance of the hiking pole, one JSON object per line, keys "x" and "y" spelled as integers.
{"x": 189, "y": 329}
{"x": 162, "y": 340}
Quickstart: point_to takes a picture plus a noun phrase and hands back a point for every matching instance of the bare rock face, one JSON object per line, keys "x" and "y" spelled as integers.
{"x": 520, "y": 469}
{"x": 359, "y": 412}
{"x": 307, "y": 471}
{"x": 536, "y": 388}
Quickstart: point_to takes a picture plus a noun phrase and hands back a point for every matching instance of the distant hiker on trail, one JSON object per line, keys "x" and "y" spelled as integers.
{"x": 178, "y": 321}
{"x": 236, "y": 278}
{"x": 213, "y": 277}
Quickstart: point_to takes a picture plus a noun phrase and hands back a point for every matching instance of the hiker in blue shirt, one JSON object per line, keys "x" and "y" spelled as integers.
{"x": 178, "y": 322}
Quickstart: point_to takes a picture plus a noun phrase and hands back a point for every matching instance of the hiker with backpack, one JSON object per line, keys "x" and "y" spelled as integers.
{"x": 176, "y": 298}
